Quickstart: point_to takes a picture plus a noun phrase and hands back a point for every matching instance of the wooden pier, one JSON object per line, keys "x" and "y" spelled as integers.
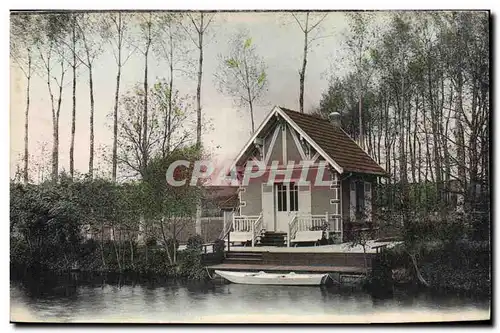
{"x": 305, "y": 260}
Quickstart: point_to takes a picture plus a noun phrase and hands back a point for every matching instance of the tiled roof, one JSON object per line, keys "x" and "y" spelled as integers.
{"x": 336, "y": 143}
{"x": 224, "y": 197}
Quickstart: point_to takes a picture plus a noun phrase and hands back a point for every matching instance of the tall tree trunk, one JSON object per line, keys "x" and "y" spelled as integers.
{"x": 117, "y": 96}
{"x": 55, "y": 148}
{"x": 302, "y": 73}
{"x": 170, "y": 98}
{"x": 55, "y": 127}
{"x": 91, "y": 149}
{"x": 198, "y": 88}
{"x": 145, "y": 111}
{"x": 435, "y": 135}
{"x": 115, "y": 124}
{"x": 198, "y": 113}
{"x": 73, "y": 111}
{"x": 26, "y": 123}
{"x": 360, "y": 114}
{"x": 249, "y": 93}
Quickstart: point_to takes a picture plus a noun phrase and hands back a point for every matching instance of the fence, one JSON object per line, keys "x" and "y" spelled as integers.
{"x": 211, "y": 228}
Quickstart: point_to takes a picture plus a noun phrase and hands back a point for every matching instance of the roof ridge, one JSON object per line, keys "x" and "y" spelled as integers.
{"x": 303, "y": 114}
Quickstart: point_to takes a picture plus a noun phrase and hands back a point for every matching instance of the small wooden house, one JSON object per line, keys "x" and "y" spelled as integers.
{"x": 289, "y": 202}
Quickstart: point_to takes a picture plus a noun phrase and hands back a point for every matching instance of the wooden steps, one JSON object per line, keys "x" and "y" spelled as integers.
{"x": 243, "y": 258}
{"x": 271, "y": 238}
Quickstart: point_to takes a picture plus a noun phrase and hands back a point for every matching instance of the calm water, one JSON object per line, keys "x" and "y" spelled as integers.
{"x": 78, "y": 299}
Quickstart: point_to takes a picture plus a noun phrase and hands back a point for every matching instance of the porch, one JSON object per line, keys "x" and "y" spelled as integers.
{"x": 300, "y": 228}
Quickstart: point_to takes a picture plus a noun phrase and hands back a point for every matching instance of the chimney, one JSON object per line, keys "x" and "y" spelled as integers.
{"x": 335, "y": 119}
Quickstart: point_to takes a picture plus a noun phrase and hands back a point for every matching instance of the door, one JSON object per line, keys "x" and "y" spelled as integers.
{"x": 268, "y": 207}
{"x": 286, "y": 204}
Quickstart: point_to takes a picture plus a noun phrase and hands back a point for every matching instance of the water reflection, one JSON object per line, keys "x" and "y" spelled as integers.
{"x": 80, "y": 298}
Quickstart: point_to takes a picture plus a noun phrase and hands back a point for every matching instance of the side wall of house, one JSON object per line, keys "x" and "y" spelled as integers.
{"x": 346, "y": 199}
{"x": 252, "y": 196}
{"x": 320, "y": 198}
{"x": 348, "y": 223}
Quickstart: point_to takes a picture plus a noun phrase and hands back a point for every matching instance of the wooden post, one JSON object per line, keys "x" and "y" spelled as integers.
{"x": 253, "y": 234}
{"x": 288, "y": 236}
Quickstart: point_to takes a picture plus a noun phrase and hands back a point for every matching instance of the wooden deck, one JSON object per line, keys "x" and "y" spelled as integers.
{"x": 289, "y": 268}
{"x": 336, "y": 248}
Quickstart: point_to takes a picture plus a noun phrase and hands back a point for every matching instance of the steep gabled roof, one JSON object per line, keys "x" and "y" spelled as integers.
{"x": 332, "y": 143}
{"x": 336, "y": 143}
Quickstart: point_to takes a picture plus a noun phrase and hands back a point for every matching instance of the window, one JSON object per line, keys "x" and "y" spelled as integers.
{"x": 287, "y": 197}
{"x": 281, "y": 197}
{"x": 294, "y": 197}
{"x": 360, "y": 197}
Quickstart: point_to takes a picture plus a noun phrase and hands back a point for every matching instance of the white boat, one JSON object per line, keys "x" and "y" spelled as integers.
{"x": 263, "y": 278}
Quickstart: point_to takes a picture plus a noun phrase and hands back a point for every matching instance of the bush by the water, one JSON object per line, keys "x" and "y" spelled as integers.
{"x": 47, "y": 223}
{"x": 461, "y": 266}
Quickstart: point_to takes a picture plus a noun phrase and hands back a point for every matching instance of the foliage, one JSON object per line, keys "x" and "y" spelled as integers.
{"x": 425, "y": 77}
{"x": 168, "y": 131}
{"x": 191, "y": 265}
{"x": 48, "y": 223}
{"x": 463, "y": 266}
{"x": 195, "y": 243}
{"x": 242, "y": 73}
{"x": 46, "y": 219}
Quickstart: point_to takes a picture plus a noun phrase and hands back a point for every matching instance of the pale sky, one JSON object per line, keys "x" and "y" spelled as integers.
{"x": 278, "y": 40}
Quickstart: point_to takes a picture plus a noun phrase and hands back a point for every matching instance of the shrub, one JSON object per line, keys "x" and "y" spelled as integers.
{"x": 195, "y": 243}
{"x": 151, "y": 241}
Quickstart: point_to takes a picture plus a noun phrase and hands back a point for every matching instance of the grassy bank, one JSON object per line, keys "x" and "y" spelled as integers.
{"x": 94, "y": 257}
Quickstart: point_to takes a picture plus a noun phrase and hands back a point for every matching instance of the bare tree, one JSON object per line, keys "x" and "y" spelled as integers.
{"x": 307, "y": 24}
{"x": 359, "y": 45}
{"x": 89, "y": 26}
{"x": 200, "y": 23}
{"x": 52, "y": 56}
{"x": 242, "y": 73}
{"x": 116, "y": 28}
{"x": 22, "y": 38}
{"x": 171, "y": 48}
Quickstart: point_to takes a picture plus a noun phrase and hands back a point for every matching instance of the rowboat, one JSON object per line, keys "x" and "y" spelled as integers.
{"x": 263, "y": 278}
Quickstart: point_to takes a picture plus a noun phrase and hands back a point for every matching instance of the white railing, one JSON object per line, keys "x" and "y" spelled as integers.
{"x": 256, "y": 229}
{"x": 244, "y": 222}
{"x": 306, "y": 222}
